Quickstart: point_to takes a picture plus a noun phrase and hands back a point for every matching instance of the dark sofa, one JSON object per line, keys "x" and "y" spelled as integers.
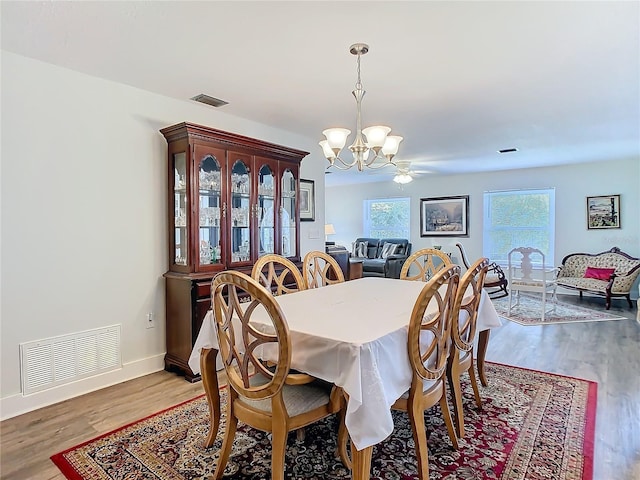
{"x": 375, "y": 266}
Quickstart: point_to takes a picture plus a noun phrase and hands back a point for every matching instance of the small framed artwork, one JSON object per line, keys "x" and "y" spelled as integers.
{"x": 444, "y": 216}
{"x": 603, "y": 212}
{"x": 307, "y": 201}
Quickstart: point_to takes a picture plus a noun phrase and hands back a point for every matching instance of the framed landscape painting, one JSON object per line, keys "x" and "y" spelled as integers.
{"x": 444, "y": 216}
{"x": 603, "y": 212}
{"x": 307, "y": 201}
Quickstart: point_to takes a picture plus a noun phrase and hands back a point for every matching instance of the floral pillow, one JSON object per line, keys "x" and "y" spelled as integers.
{"x": 359, "y": 249}
{"x": 599, "y": 273}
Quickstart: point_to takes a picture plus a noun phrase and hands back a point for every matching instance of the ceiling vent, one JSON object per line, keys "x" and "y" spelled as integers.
{"x": 508, "y": 150}
{"x": 206, "y": 99}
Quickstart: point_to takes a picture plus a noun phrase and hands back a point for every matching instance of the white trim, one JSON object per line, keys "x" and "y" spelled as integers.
{"x": 18, "y": 404}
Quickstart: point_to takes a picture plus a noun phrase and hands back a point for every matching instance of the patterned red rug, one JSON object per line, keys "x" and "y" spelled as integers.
{"x": 533, "y": 426}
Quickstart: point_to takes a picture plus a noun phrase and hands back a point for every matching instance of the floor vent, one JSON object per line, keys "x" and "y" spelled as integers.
{"x": 55, "y": 361}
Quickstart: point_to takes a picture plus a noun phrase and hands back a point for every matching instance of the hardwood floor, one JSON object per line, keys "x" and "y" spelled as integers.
{"x": 607, "y": 352}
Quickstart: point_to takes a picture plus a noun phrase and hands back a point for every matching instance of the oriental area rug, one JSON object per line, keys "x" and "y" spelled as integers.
{"x": 533, "y": 426}
{"x": 529, "y": 312}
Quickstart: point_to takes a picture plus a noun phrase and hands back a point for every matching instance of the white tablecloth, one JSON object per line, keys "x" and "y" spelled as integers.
{"x": 353, "y": 334}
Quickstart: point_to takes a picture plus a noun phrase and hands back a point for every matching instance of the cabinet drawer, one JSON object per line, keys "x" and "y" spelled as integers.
{"x": 204, "y": 289}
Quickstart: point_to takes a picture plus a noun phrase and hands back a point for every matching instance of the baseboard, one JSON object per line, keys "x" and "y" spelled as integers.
{"x": 18, "y": 404}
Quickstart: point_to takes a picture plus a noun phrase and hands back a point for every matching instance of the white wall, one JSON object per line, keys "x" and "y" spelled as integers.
{"x": 343, "y": 205}
{"x": 84, "y": 213}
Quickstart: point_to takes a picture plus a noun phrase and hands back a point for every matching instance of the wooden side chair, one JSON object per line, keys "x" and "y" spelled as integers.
{"x": 428, "y": 345}
{"x": 529, "y": 273}
{"x": 320, "y": 269}
{"x": 495, "y": 282}
{"x": 268, "y": 399}
{"x": 277, "y": 274}
{"x": 424, "y": 264}
{"x": 463, "y": 332}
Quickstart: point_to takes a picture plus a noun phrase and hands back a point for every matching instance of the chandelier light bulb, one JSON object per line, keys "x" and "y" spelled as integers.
{"x": 336, "y": 138}
{"x": 376, "y": 136}
{"x": 391, "y": 144}
{"x": 326, "y": 149}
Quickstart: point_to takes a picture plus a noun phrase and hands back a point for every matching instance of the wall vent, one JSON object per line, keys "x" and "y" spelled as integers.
{"x": 208, "y": 100}
{"x": 55, "y": 361}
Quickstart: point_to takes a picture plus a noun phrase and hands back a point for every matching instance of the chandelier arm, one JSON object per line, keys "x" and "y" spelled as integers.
{"x": 341, "y": 164}
{"x": 382, "y": 165}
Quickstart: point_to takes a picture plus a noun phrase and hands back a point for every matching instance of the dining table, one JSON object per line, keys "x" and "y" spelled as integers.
{"x": 354, "y": 335}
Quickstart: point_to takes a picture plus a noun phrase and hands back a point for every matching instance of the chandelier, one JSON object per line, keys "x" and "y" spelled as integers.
{"x": 378, "y": 140}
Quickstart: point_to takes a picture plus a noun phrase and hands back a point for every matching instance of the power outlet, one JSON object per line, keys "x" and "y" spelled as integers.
{"x": 151, "y": 321}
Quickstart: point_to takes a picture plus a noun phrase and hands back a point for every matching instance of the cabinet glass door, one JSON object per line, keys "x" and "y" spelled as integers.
{"x": 240, "y": 208}
{"x": 180, "y": 208}
{"x": 288, "y": 214}
{"x": 210, "y": 205}
{"x": 266, "y": 210}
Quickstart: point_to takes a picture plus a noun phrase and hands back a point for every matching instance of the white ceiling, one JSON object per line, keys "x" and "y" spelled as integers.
{"x": 560, "y": 81}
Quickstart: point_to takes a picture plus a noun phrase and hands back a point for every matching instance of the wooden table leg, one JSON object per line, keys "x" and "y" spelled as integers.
{"x": 210, "y": 384}
{"x": 361, "y": 460}
{"x": 483, "y": 343}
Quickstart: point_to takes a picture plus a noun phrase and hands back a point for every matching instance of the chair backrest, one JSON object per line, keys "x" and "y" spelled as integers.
{"x": 529, "y": 256}
{"x": 463, "y": 256}
{"x": 424, "y": 264}
{"x": 320, "y": 269}
{"x": 235, "y": 298}
{"x": 277, "y": 274}
{"x": 465, "y": 309}
{"x": 429, "y": 328}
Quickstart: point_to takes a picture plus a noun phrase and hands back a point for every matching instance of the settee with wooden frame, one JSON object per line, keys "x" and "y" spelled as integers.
{"x": 611, "y": 274}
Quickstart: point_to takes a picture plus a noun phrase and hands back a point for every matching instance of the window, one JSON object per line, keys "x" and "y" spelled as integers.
{"x": 386, "y": 218}
{"x": 519, "y": 218}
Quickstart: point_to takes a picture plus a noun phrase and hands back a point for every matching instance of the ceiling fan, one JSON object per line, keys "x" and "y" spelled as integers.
{"x": 404, "y": 174}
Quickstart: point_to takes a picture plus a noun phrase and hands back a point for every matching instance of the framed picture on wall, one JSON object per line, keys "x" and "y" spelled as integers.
{"x": 444, "y": 216}
{"x": 603, "y": 212}
{"x": 307, "y": 201}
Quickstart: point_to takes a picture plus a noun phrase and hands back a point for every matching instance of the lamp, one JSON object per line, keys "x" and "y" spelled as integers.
{"x": 329, "y": 230}
{"x": 378, "y": 140}
{"x": 402, "y": 178}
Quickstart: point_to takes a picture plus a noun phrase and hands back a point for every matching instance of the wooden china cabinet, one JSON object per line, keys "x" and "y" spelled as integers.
{"x": 231, "y": 200}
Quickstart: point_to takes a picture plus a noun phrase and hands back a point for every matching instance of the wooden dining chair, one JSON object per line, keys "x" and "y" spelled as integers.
{"x": 268, "y": 399}
{"x": 320, "y": 269}
{"x": 495, "y": 281}
{"x": 277, "y": 274}
{"x": 463, "y": 331}
{"x": 424, "y": 264}
{"x": 428, "y": 345}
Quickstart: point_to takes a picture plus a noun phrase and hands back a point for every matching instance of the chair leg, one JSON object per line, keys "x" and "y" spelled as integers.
{"x": 343, "y": 438}
{"x": 416, "y": 417}
{"x": 474, "y": 385}
{"x": 448, "y": 421}
{"x": 227, "y": 442}
{"x": 278, "y": 449}
{"x": 483, "y": 342}
{"x": 453, "y": 376}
